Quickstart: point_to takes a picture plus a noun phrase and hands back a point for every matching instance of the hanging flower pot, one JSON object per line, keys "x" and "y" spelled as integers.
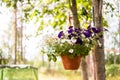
{"x": 70, "y": 42}
{"x": 71, "y": 63}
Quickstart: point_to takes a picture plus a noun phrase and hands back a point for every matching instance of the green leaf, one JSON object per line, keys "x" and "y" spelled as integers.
{"x": 49, "y": 57}
{"x": 54, "y": 58}
{"x": 105, "y": 23}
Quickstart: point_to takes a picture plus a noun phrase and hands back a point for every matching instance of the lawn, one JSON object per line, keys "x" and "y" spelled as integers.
{"x": 72, "y": 76}
{"x": 67, "y": 75}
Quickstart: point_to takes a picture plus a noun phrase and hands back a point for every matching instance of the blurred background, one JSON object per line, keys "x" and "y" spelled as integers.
{"x": 25, "y": 26}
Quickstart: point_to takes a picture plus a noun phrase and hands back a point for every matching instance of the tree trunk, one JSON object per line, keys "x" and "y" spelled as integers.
{"x": 99, "y": 51}
{"x": 84, "y": 69}
{"x": 76, "y": 24}
{"x": 15, "y": 36}
{"x": 49, "y": 67}
{"x": 21, "y": 31}
{"x": 115, "y": 57}
{"x": 94, "y": 66}
{"x": 73, "y": 7}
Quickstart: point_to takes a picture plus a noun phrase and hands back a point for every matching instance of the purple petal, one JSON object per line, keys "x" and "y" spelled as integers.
{"x": 96, "y": 30}
{"x": 77, "y": 30}
{"x": 70, "y": 30}
{"x": 60, "y": 34}
{"x": 87, "y": 33}
{"x": 79, "y": 41}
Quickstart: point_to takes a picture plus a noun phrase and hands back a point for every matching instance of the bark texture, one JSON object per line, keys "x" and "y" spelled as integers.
{"x": 73, "y": 7}
{"x": 99, "y": 51}
{"x": 84, "y": 69}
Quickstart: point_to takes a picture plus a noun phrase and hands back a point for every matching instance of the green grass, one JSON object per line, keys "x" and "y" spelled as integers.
{"x": 113, "y": 72}
{"x": 116, "y": 77}
{"x": 69, "y": 75}
{"x": 62, "y": 74}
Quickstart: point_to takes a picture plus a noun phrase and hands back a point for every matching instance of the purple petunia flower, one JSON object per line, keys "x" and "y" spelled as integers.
{"x": 70, "y": 30}
{"x": 77, "y": 30}
{"x": 87, "y": 33}
{"x": 79, "y": 41}
{"x": 60, "y": 34}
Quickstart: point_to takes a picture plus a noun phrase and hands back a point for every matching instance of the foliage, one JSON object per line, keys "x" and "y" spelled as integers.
{"x": 72, "y": 42}
{"x": 110, "y": 59}
{"x": 112, "y": 70}
{"x": 109, "y": 8}
{"x": 56, "y": 10}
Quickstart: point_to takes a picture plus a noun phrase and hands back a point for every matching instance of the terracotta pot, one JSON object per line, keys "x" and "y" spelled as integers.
{"x": 71, "y": 63}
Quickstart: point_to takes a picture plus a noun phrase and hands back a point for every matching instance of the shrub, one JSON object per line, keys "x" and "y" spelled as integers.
{"x": 112, "y": 70}
{"x": 110, "y": 59}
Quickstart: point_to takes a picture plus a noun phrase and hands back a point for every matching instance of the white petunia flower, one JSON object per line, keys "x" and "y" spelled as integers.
{"x": 71, "y": 51}
{"x": 73, "y": 40}
{"x": 69, "y": 41}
